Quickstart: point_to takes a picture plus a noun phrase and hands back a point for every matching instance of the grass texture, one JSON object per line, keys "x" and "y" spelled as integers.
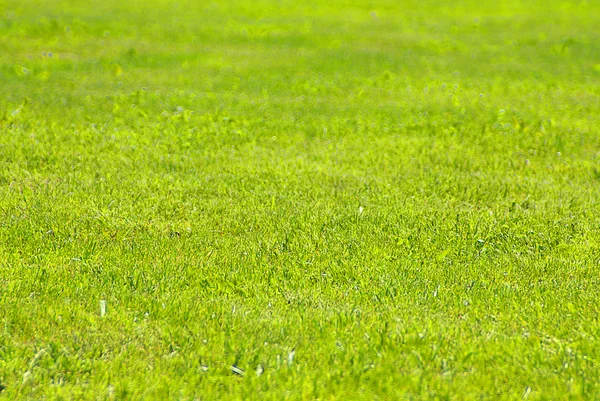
{"x": 299, "y": 200}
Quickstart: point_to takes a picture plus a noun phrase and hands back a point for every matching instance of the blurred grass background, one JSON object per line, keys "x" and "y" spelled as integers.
{"x": 332, "y": 59}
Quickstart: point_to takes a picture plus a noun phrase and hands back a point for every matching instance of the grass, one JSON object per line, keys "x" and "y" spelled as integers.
{"x": 299, "y": 200}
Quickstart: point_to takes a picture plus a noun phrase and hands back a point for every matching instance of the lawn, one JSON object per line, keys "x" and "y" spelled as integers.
{"x": 299, "y": 200}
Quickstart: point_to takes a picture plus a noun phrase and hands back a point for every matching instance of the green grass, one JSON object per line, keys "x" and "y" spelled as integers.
{"x": 393, "y": 200}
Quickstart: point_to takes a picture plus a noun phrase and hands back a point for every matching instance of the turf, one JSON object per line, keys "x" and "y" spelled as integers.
{"x": 299, "y": 200}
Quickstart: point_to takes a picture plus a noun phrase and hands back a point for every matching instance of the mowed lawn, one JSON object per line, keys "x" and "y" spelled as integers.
{"x": 394, "y": 200}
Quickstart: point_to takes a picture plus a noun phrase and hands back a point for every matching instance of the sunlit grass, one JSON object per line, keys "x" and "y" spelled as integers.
{"x": 239, "y": 200}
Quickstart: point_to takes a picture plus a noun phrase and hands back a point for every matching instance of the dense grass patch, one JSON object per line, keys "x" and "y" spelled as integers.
{"x": 275, "y": 199}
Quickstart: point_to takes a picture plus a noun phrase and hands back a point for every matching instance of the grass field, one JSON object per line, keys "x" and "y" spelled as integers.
{"x": 299, "y": 200}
